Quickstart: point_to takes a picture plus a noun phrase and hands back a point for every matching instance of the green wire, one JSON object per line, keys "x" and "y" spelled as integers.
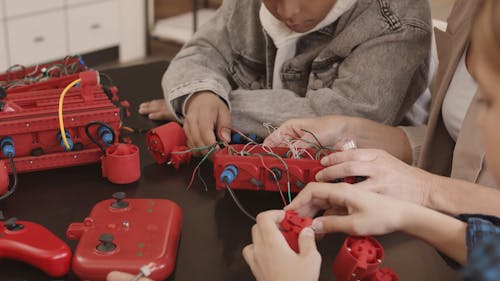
{"x": 310, "y": 143}
{"x": 193, "y": 149}
{"x": 201, "y": 162}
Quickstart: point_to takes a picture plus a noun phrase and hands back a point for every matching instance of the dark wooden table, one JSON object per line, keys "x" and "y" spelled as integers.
{"x": 214, "y": 230}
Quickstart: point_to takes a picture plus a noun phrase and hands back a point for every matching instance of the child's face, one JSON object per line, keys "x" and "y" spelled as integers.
{"x": 300, "y": 15}
{"x": 488, "y": 79}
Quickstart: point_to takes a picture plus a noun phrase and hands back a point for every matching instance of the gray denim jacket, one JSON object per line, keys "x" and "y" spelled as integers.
{"x": 372, "y": 62}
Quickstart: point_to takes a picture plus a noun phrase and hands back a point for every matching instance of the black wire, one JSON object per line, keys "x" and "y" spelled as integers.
{"x": 110, "y": 81}
{"x": 314, "y": 136}
{"x": 92, "y": 139}
{"x": 14, "y": 174}
{"x": 235, "y": 199}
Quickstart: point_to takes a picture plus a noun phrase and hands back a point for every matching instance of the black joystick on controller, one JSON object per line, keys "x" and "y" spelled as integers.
{"x": 107, "y": 244}
{"x": 119, "y": 203}
{"x": 11, "y": 224}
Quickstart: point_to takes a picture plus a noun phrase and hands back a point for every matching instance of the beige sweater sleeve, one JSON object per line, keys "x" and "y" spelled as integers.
{"x": 416, "y": 137}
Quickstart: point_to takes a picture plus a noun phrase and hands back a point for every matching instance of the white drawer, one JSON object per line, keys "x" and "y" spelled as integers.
{"x": 78, "y": 2}
{"x": 37, "y": 39}
{"x": 93, "y": 27}
{"x": 22, "y": 7}
{"x": 4, "y": 63}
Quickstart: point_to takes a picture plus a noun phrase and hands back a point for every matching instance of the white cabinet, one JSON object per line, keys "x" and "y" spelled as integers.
{"x": 15, "y": 8}
{"x": 97, "y": 22}
{"x": 38, "y": 31}
{"x": 38, "y": 38}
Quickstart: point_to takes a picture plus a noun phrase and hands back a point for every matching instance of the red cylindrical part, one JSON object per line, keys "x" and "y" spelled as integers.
{"x": 162, "y": 140}
{"x": 121, "y": 163}
{"x": 4, "y": 178}
{"x": 359, "y": 258}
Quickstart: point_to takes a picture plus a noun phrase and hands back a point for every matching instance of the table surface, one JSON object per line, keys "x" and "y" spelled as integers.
{"x": 214, "y": 231}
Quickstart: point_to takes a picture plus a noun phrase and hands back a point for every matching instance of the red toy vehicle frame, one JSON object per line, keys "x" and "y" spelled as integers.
{"x": 30, "y": 119}
{"x": 253, "y": 173}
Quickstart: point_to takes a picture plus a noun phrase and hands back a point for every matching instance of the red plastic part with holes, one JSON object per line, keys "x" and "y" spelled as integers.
{"x": 177, "y": 159}
{"x": 145, "y": 231}
{"x": 30, "y": 118}
{"x": 359, "y": 258}
{"x": 291, "y": 226}
{"x": 121, "y": 163}
{"x": 37, "y": 246}
{"x": 161, "y": 141}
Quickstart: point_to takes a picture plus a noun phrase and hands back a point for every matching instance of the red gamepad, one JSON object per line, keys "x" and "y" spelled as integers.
{"x": 34, "y": 244}
{"x": 125, "y": 235}
{"x": 291, "y": 226}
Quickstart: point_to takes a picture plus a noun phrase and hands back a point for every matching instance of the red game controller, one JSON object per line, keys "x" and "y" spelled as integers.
{"x": 34, "y": 244}
{"x": 359, "y": 259}
{"x": 291, "y": 226}
{"x": 125, "y": 235}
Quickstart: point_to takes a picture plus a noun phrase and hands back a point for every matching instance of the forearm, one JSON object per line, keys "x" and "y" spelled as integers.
{"x": 252, "y": 108}
{"x": 456, "y": 197}
{"x": 370, "y": 134}
{"x": 446, "y": 234}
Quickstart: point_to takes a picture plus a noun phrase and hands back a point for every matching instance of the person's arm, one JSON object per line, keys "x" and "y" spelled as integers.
{"x": 376, "y": 81}
{"x": 387, "y": 175}
{"x": 454, "y": 197}
{"x": 359, "y": 212}
{"x": 446, "y": 234}
{"x": 202, "y": 65}
{"x": 333, "y": 130}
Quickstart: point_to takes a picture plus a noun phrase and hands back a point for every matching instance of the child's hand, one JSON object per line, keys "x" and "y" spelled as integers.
{"x": 271, "y": 259}
{"x": 206, "y": 113}
{"x": 385, "y": 174}
{"x": 350, "y": 210}
{"x": 156, "y": 110}
{"x": 120, "y": 276}
{"x": 328, "y": 130}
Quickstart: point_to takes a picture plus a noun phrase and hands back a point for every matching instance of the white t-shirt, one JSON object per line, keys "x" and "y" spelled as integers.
{"x": 460, "y": 93}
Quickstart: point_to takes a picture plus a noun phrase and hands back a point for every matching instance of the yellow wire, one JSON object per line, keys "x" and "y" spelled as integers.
{"x": 61, "y": 121}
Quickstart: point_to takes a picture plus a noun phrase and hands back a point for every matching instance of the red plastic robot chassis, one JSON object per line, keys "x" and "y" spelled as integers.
{"x": 29, "y": 117}
{"x": 261, "y": 171}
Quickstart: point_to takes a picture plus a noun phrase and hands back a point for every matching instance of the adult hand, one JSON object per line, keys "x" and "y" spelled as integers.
{"x": 120, "y": 276}
{"x": 270, "y": 257}
{"x": 349, "y": 209}
{"x": 385, "y": 174}
{"x": 206, "y": 113}
{"x": 156, "y": 110}
{"x": 327, "y": 129}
